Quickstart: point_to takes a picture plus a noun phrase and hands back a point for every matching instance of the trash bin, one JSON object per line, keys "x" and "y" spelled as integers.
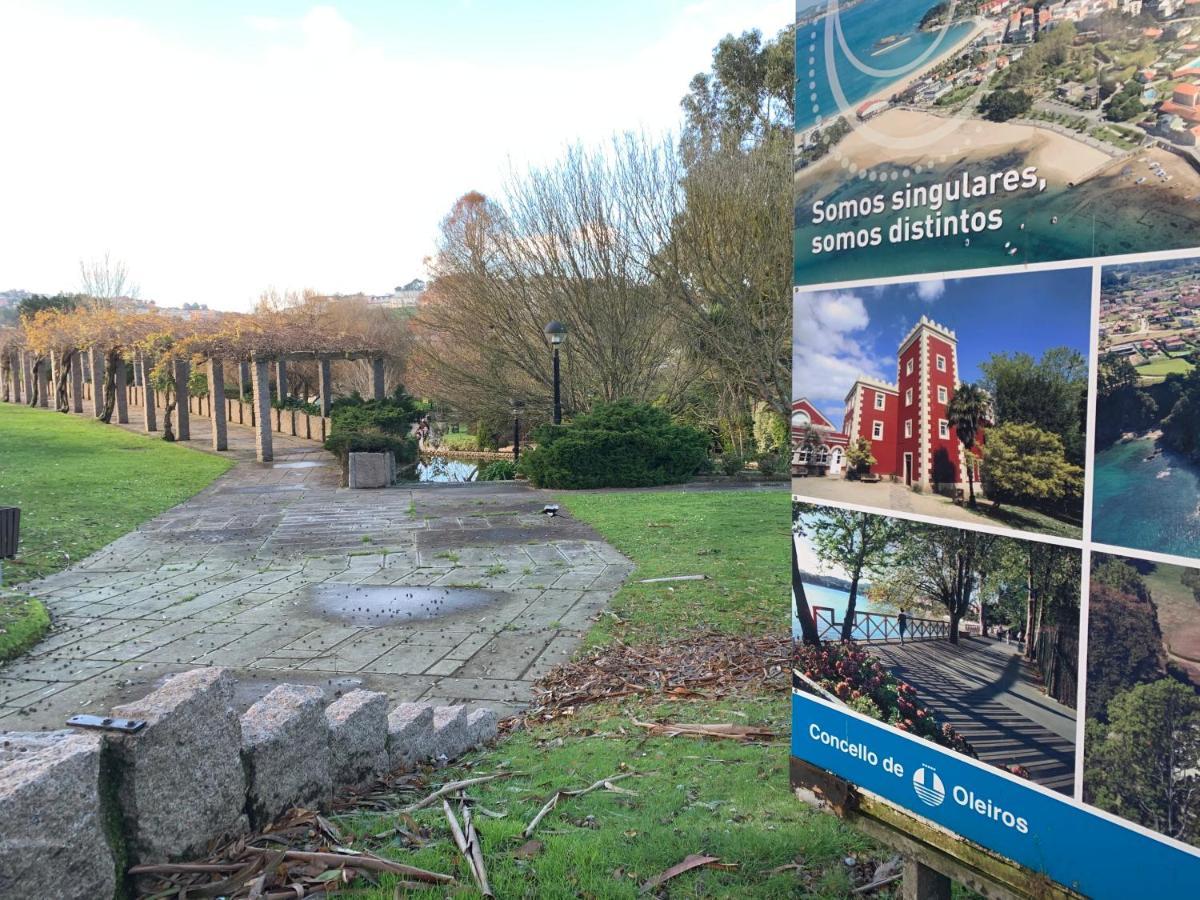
{"x": 10, "y": 528}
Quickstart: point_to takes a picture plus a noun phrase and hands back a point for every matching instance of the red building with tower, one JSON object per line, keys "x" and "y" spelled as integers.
{"x": 906, "y": 423}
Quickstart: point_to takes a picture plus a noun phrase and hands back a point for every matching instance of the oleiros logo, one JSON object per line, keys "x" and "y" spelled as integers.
{"x": 929, "y": 787}
{"x": 931, "y": 790}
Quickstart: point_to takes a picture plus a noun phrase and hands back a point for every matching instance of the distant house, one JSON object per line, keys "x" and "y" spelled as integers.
{"x": 1175, "y": 345}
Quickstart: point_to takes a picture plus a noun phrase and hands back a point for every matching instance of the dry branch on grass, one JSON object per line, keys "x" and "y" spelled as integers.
{"x": 732, "y": 732}
{"x": 707, "y": 666}
{"x": 606, "y": 783}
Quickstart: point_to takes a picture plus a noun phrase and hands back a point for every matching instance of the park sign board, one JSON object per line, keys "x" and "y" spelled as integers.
{"x": 996, "y": 435}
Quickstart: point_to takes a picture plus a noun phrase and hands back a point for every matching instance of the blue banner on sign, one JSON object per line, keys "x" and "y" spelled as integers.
{"x": 1083, "y": 848}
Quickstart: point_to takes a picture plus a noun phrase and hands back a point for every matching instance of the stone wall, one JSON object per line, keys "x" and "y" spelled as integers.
{"x": 78, "y": 805}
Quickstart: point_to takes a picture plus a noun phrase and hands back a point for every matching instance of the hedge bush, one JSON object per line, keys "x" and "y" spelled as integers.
{"x": 500, "y": 470}
{"x": 392, "y": 415}
{"x": 620, "y": 444}
{"x": 346, "y": 442}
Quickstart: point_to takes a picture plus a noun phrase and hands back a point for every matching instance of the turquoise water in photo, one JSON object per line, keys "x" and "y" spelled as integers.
{"x": 818, "y": 595}
{"x": 862, "y": 26}
{"x": 1146, "y": 504}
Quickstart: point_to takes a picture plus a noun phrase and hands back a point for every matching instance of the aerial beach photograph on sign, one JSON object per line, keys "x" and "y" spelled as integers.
{"x": 965, "y": 638}
{"x": 1092, "y": 105}
{"x": 1142, "y": 737}
{"x": 963, "y": 399}
{"x": 1147, "y": 456}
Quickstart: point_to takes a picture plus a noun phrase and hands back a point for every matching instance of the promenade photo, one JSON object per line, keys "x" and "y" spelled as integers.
{"x": 967, "y": 639}
{"x": 962, "y": 399}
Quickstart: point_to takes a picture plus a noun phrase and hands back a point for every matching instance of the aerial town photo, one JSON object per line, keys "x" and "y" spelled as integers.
{"x": 960, "y": 399}
{"x": 1102, "y": 97}
{"x": 1147, "y": 454}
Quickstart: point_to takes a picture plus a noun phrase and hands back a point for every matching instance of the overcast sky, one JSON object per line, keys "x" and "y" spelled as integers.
{"x": 222, "y": 147}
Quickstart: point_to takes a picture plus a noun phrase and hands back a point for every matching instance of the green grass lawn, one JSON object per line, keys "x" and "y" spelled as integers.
{"x": 1175, "y": 366}
{"x": 459, "y": 440}
{"x": 1027, "y": 519}
{"x": 738, "y": 539}
{"x": 23, "y": 620}
{"x": 81, "y": 484}
{"x": 721, "y": 798}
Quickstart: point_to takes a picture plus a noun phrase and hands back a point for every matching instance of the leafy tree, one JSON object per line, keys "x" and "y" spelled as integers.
{"x": 770, "y": 429}
{"x": 1145, "y": 764}
{"x": 968, "y": 409}
{"x": 803, "y": 612}
{"x": 1191, "y": 580}
{"x": 856, "y": 542}
{"x": 944, "y": 564}
{"x": 1050, "y": 392}
{"x": 1000, "y": 106}
{"x": 1024, "y": 464}
{"x": 1125, "y": 643}
{"x": 859, "y": 458}
{"x": 748, "y": 93}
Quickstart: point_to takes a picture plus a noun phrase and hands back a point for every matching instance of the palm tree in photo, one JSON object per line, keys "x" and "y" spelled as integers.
{"x": 967, "y": 412}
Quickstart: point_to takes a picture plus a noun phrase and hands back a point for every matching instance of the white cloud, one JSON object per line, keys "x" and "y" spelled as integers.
{"x": 827, "y": 346}
{"x": 929, "y": 291}
{"x": 311, "y": 156}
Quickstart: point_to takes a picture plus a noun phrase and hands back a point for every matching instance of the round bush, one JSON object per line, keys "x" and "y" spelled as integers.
{"x": 620, "y": 444}
{"x": 500, "y": 470}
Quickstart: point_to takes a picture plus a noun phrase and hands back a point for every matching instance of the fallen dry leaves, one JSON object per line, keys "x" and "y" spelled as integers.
{"x": 706, "y": 666}
{"x": 694, "y": 861}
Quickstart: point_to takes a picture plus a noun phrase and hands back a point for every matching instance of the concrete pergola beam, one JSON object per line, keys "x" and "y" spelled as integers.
{"x": 216, "y": 405}
{"x": 43, "y": 381}
{"x": 260, "y": 374}
{"x": 122, "y": 389}
{"x": 183, "y": 371}
{"x": 325, "y": 385}
{"x": 27, "y": 376}
{"x": 76, "y": 382}
{"x": 377, "y": 377}
{"x": 149, "y": 401}
{"x": 96, "y": 361}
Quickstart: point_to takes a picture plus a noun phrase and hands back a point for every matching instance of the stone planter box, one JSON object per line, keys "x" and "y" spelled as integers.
{"x": 370, "y": 470}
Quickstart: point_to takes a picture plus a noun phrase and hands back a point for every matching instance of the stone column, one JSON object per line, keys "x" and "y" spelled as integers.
{"x": 122, "y": 389}
{"x": 43, "y": 379}
{"x": 243, "y": 380}
{"x": 96, "y": 358}
{"x": 149, "y": 401}
{"x": 14, "y": 379}
{"x": 377, "y": 378}
{"x": 262, "y": 410}
{"x": 183, "y": 371}
{"x": 54, "y": 366}
{"x": 77, "y": 382}
{"x": 26, "y": 376}
{"x": 216, "y": 411}
{"x": 325, "y": 383}
{"x": 281, "y": 382}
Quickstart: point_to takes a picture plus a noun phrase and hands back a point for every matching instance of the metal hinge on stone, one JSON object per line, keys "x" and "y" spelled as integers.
{"x": 107, "y": 723}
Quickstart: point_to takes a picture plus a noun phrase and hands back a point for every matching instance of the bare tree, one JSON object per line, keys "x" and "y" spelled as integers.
{"x": 106, "y": 278}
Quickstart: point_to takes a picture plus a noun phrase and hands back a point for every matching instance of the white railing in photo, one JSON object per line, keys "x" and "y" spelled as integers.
{"x": 873, "y": 627}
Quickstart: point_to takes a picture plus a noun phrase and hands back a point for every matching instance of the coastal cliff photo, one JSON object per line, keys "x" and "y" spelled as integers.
{"x": 1092, "y": 105}
{"x": 1147, "y": 460}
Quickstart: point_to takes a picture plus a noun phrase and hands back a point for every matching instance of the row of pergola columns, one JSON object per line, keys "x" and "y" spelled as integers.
{"x": 24, "y": 371}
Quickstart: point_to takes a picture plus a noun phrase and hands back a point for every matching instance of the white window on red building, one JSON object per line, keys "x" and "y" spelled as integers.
{"x": 943, "y": 429}
{"x": 941, "y": 363}
{"x": 943, "y": 394}
{"x": 908, "y": 397}
{"x": 880, "y": 400}
{"x": 908, "y": 367}
{"x": 877, "y": 430}
{"x": 908, "y": 428}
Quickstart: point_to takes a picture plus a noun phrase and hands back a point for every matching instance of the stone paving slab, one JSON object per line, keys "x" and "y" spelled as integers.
{"x": 227, "y": 579}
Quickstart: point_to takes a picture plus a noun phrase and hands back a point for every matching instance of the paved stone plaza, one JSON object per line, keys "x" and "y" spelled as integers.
{"x": 259, "y": 572}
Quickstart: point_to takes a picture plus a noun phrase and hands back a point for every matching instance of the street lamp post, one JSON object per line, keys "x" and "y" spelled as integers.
{"x": 556, "y": 334}
{"x": 518, "y": 406}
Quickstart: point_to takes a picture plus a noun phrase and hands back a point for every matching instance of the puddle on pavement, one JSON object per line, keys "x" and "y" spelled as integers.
{"x": 376, "y": 606}
{"x": 298, "y": 465}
